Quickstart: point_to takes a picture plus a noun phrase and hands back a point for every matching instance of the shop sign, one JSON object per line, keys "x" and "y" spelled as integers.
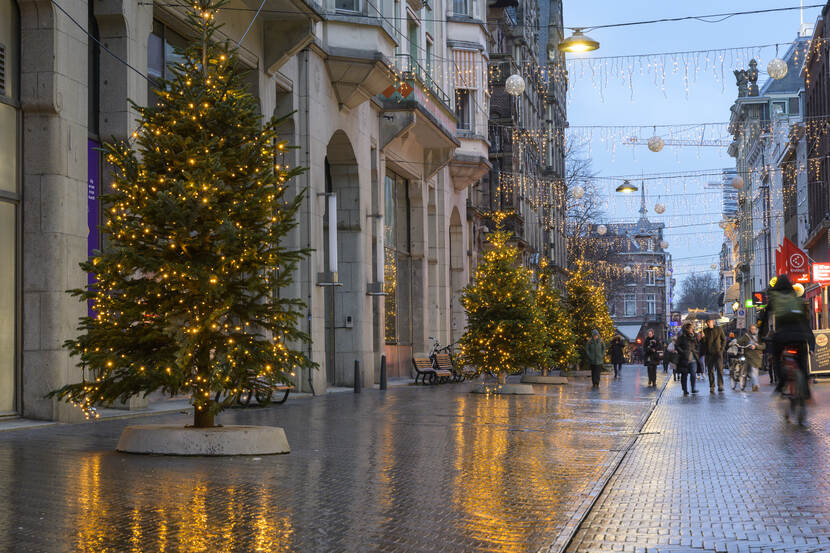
{"x": 820, "y": 359}
{"x": 821, "y": 273}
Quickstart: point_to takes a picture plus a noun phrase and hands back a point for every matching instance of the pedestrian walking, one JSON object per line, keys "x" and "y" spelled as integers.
{"x": 617, "y": 354}
{"x": 754, "y": 354}
{"x": 651, "y": 347}
{"x": 671, "y": 355}
{"x": 699, "y": 367}
{"x": 686, "y": 357}
{"x": 595, "y": 353}
{"x": 714, "y": 342}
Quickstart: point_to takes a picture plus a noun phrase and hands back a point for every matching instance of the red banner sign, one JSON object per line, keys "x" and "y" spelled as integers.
{"x": 821, "y": 273}
{"x": 792, "y": 261}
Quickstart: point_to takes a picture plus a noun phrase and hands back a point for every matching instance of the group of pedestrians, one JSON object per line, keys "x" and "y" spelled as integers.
{"x": 693, "y": 352}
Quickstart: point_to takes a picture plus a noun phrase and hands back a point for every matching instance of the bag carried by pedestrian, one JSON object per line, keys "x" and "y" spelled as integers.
{"x": 787, "y": 308}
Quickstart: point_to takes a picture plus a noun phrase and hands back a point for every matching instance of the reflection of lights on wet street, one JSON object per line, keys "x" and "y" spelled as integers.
{"x": 400, "y": 471}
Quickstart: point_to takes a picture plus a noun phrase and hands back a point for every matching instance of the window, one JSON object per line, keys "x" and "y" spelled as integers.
{"x": 162, "y": 47}
{"x": 463, "y": 110}
{"x": 461, "y": 7}
{"x": 795, "y": 107}
{"x": 396, "y": 273}
{"x": 779, "y": 107}
{"x": 651, "y": 277}
{"x": 347, "y": 5}
{"x": 630, "y": 305}
{"x": 428, "y": 61}
{"x": 412, "y": 35}
{"x": 651, "y": 304}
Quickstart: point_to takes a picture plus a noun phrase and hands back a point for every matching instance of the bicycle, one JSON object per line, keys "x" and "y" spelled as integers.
{"x": 795, "y": 389}
{"x": 739, "y": 370}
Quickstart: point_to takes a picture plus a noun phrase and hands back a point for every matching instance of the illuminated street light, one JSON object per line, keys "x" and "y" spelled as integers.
{"x": 626, "y": 187}
{"x": 578, "y": 43}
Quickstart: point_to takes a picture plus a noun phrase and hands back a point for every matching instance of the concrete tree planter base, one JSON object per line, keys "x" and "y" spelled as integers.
{"x": 539, "y": 379}
{"x": 504, "y": 389}
{"x": 161, "y": 439}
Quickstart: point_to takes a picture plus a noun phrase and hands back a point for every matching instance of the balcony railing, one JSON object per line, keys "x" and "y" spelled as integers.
{"x": 411, "y": 70}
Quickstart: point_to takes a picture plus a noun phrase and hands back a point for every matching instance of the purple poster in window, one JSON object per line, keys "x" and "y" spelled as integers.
{"x": 93, "y": 189}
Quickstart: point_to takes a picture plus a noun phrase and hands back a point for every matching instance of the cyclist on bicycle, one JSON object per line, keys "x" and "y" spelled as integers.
{"x": 789, "y": 328}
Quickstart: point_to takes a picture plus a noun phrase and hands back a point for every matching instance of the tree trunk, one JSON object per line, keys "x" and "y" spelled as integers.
{"x": 502, "y": 377}
{"x": 203, "y": 419}
{"x": 544, "y": 372}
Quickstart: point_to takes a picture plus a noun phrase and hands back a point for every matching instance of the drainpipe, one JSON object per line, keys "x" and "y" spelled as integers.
{"x": 304, "y": 82}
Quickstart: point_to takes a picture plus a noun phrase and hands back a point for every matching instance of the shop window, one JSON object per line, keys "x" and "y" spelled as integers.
{"x": 396, "y": 259}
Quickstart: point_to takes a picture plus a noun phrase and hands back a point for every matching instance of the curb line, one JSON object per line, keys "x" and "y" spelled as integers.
{"x": 566, "y": 536}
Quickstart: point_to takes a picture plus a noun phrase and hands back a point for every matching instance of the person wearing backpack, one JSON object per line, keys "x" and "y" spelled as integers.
{"x": 789, "y": 327}
{"x": 686, "y": 347}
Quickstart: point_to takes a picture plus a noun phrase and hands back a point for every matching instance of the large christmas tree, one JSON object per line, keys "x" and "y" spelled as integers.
{"x": 502, "y": 335}
{"x": 185, "y": 298}
{"x": 560, "y": 348}
{"x": 587, "y": 305}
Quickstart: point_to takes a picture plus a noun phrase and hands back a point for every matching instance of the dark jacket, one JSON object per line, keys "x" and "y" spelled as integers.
{"x": 686, "y": 349}
{"x": 791, "y": 333}
{"x": 651, "y": 346}
{"x": 616, "y": 350}
{"x": 714, "y": 340}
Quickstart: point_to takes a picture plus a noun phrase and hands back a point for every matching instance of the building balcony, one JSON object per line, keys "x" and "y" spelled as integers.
{"x": 417, "y": 105}
{"x": 288, "y": 27}
{"x": 359, "y": 50}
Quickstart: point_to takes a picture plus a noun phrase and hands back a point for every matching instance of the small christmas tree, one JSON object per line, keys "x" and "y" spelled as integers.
{"x": 560, "y": 341}
{"x": 502, "y": 336}
{"x": 587, "y": 305}
{"x": 186, "y": 296}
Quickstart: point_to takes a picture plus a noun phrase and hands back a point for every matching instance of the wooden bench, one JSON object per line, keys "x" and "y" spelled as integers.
{"x": 444, "y": 361}
{"x": 424, "y": 370}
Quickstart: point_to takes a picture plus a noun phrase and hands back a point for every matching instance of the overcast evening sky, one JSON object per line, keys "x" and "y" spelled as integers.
{"x": 692, "y": 210}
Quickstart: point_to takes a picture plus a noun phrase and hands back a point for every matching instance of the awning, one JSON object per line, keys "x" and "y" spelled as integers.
{"x": 733, "y": 293}
{"x": 629, "y": 331}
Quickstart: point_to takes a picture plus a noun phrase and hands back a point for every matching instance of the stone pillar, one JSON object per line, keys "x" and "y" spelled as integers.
{"x": 419, "y": 276}
{"x": 54, "y": 104}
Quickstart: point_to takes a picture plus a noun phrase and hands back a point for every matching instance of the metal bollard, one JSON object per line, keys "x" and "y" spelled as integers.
{"x": 356, "y": 376}
{"x": 382, "y": 372}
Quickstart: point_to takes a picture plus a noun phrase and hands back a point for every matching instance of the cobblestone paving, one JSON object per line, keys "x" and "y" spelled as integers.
{"x": 409, "y": 470}
{"x": 720, "y": 473}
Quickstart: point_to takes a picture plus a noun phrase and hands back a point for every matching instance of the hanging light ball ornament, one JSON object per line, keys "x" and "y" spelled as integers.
{"x": 777, "y": 69}
{"x": 601, "y": 230}
{"x": 578, "y": 192}
{"x": 659, "y": 208}
{"x": 514, "y": 85}
{"x": 664, "y": 245}
{"x": 737, "y": 182}
{"x": 799, "y": 289}
{"x": 655, "y": 143}
{"x": 627, "y": 270}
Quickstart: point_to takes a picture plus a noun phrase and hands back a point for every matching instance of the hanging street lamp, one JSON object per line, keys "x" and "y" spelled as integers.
{"x": 626, "y": 187}
{"x": 578, "y": 43}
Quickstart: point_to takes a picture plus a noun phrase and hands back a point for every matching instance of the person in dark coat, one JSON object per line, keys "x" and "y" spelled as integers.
{"x": 792, "y": 332}
{"x": 686, "y": 346}
{"x": 651, "y": 349}
{"x": 595, "y": 352}
{"x": 714, "y": 342}
{"x": 617, "y": 354}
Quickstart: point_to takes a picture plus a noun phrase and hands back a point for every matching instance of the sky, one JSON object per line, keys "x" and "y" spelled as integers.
{"x": 643, "y": 96}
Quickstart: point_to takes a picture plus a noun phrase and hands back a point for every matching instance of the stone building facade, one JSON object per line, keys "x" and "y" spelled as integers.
{"x": 388, "y": 106}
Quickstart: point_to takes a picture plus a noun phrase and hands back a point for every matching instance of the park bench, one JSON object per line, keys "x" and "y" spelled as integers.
{"x": 264, "y": 394}
{"x": 444, "y": 361}
{"x": 425, "y": 369}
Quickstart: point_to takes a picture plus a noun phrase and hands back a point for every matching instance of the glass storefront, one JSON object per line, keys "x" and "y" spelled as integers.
{"x": 9, "y": 202}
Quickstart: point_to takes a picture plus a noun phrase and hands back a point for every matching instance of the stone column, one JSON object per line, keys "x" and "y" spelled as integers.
{"x": 54, "y": 103}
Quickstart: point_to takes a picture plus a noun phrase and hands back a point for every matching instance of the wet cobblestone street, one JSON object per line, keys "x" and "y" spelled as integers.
{"x": 411, "y": 470}
{"x": 722, "y": 473}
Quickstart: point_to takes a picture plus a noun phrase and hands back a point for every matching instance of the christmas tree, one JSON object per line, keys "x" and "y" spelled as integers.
{"x": 555, "y": 324}
{"x": 186, "y": 295}
{"x": 502, "y": 336}
{"x": 587, "y": 305}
